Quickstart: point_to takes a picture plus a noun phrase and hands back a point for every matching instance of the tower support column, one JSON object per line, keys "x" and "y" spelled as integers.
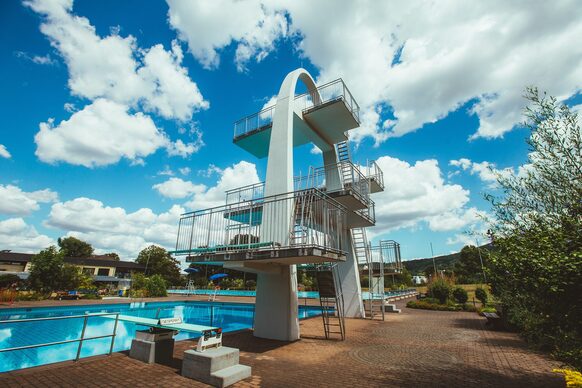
{"x": 276, "y": 306}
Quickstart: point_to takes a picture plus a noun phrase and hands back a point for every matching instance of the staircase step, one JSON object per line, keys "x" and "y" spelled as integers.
{"x": 230, "y": 375}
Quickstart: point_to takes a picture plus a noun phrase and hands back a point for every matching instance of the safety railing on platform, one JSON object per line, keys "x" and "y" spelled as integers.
{"x": 369, "y": 212}
{"x": 327, "y": 93}
{"x": 329, "y": 179}
{"x": 375, "y": 173}
{"x": 296, "y": 219}
{"x": 80, "y": 340}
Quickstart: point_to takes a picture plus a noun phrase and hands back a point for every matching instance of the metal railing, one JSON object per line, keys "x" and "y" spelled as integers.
{"x": 79, "y": 340}
{"x": 306, "y": 218}
{"x": 375, "y": 173}
{"x": 369, "y": 212}
{"x": 329, "y": 179}
{"x": 386, "y": 254}
{"x": 327, "y": 93}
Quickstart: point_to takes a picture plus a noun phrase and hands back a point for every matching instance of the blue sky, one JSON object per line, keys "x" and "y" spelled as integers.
{"x": 118, "y": 116}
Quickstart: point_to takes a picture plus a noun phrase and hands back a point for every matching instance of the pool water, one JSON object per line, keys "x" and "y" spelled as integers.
{"x": 229, "y": 316}
{"x": 300, "y": 294}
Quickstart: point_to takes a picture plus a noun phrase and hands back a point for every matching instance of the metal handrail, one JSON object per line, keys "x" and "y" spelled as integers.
{"x": 79, "y": 340}
{"x": 312, "y": 99}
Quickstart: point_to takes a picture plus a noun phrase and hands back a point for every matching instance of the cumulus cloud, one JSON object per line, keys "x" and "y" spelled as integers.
{"x": 113, "y": 228}
{"x": 38, "y": 59}
{"x": 14, "y": 201}
{"x": 486, "y": 171}
{"x": 240, "y": 174}
{"x": 102, "y": 133}
{"x": 4, "y": 152}
{"x": 178, "y": 188}
{"x": 210, "y": 26}
{"x": 115, "y": 68}
{"x": 418, "y": 194}
{"x": 418, "y": 60}
{"x": 16, "y": 235}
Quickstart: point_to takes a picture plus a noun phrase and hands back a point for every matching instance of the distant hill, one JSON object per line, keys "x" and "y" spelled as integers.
{"x": 446, "y": 262}
{"x": 418, "y": 266}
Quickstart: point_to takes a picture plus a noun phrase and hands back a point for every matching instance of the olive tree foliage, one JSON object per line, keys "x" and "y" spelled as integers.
{"x": 536, "y": 265}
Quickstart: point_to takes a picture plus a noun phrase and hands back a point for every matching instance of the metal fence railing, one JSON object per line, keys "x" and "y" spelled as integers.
{"x": 329, "y": 179}
{"x": 327, "y": 93}
{"x": 80, "y": 340}
{"x": 375, "y": 173}
{"x": 307, "y": 218}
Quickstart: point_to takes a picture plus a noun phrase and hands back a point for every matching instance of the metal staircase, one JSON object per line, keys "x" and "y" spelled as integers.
{"x": 331, "y": 300}
{"x": 374, "y": 304}
{"x": 344, "y": 159}
{"x": 302, "y": 218}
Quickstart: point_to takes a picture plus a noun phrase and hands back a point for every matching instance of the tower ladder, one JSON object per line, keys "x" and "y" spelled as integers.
{"x": 331, "y": 300}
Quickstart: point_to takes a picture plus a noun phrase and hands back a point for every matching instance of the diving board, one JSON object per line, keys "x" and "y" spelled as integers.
{"x": 211, "y": 336}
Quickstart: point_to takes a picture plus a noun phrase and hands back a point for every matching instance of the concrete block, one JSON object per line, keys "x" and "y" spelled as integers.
{"x": 230, "y": 375}
{"x": 143, "y": 351}
{"x": 217, "y": 367}
{"x": 209, "y": 361}
{"x": 161, "y": 352}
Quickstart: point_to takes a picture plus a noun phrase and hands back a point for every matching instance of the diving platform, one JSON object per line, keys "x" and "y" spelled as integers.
{"x": 322, "y": 117}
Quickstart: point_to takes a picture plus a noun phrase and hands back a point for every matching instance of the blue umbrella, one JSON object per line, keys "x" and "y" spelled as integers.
{"x": 218, "y": 276}
{"x": 191, "y": 270}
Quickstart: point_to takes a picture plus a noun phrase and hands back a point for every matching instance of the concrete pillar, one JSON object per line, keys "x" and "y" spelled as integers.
{"x": 276, "y": 309}
{"x": 349, "y": 275}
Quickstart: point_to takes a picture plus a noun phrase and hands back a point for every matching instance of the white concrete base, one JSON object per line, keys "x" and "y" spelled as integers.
{"x": 276, "y": 307}
{"x": 217, "y": 367}
{"x": 349, "y": 275}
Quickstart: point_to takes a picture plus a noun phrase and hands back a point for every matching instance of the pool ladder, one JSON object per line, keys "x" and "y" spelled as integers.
{"x": 331, "y": 300}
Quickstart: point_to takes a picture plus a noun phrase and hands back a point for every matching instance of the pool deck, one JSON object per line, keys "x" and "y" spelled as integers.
{"x": 416, "y": 348}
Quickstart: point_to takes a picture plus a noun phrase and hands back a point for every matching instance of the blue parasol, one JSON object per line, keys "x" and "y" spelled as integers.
{"x": 191, "y": 270}
{"x": 218, "y": 276}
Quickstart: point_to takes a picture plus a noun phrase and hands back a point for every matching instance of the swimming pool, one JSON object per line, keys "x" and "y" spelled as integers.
{"x": 229, "y": 316}
{"x": 247, "y": 293}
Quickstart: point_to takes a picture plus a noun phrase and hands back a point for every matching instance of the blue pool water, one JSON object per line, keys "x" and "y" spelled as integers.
{"x": 300, "y": 294}
{"x": 229, "y": 316}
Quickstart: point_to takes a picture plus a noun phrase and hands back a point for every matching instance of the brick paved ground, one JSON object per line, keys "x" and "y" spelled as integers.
{"x": 414, "y": 349}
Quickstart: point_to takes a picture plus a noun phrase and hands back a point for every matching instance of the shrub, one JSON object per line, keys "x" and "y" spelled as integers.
{"x": 251, "y": 284}
{"x": 460, "y": 295}
{"x": 423, "y": 304}
{"x": 440, "y": 289}
{"x": 156, "y": 286}
{"x": 9, "y": 280}
{"x": 238, "y": 284}
{"x": 481, "y": 294}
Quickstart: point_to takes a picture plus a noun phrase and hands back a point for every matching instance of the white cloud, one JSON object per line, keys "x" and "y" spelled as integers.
{"x": 38, "y": 59}
{"x": 113, "y": 228}
{"x": 16, "y": 235}
{"x": 486, "y": 171}
{"x": 14, "y": 201}
{"x": 419, "y": 59}
{"x": 418, "y": 193}
{"x": 184, "y": 170}
{"x": 456, "y": 219}
{"x": 240, "y": 174}
{"x": 115, "y": 67}
{"x": 178, "y": 188}
{"x": 212, "y": 25}
{"x": 4, "y": 152}
{"x": 100, "y": 134}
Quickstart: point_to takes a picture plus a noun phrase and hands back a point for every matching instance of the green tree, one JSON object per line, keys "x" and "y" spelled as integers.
{"x": 460, "y": 295}
{"x": 156, "y": 286}
{"x": 440, "y": 289}
{"x": 468, "y": 268}
{"x": 72, "y": 277}
{"x": 159, "y": 262}
{"x": 536, "y": 266}
{"x": 112, "y": 256}
{"x": 73, "y": 247}
{"x": 46, "y": 269}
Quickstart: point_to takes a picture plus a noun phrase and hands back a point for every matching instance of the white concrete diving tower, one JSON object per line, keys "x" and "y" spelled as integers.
{"x": 271, "y": 227}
